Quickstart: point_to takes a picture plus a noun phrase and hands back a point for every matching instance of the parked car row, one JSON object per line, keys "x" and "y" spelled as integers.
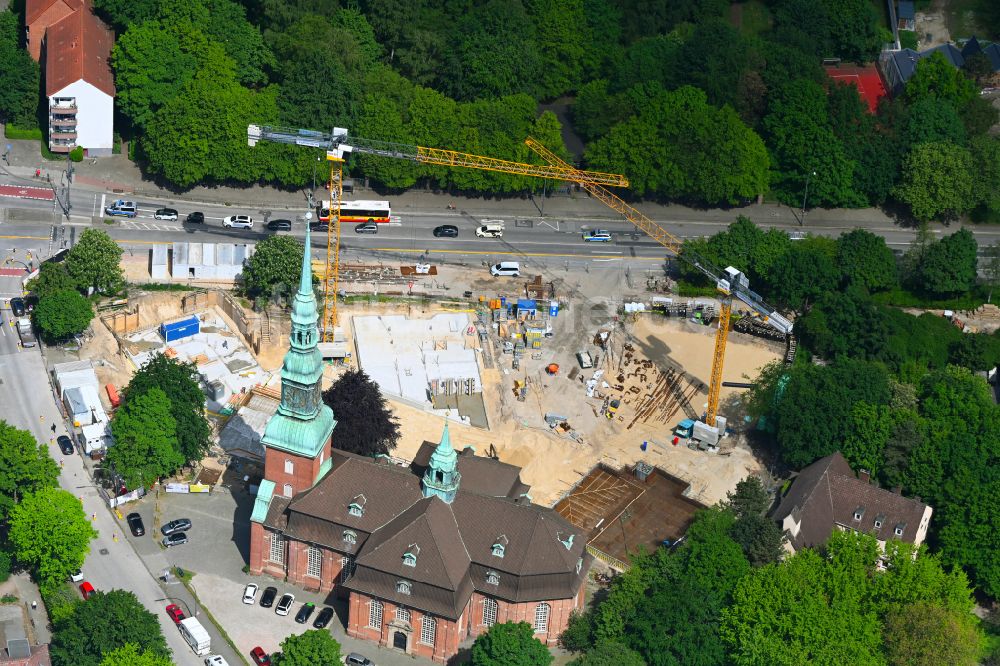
{"x": 285, "y": 605}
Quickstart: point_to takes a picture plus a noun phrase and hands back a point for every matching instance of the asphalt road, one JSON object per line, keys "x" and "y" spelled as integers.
{"x": 29, "y": 403}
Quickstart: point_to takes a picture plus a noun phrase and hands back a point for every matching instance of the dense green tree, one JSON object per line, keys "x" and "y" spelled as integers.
{"x": 560, "y": 35}
{"x": 124, "y": 13}
{"x": 146, "y": 446}
{"x": 274, "y": 269}
{"x": 869, "y": 429}
{"x": 381, "y": 120}
{"x": 107, "y": 621}
{"x": 94, "y": 262}
{"x": 509, "y": 644}
{"x": 979, "y": 115}
{"x": 937, "y": 181}
{"x": 927, "y": 634}
{"x": 596, "y": 111}
{"x": 838, "y": 598}
{"x": 63, "y": 314}
{"x": 845, "y": 323}
{"x": 368, "y": 426}
{"x": 804, "y": 273}
{"x": 19, "y": 76}
{"x": 609, "y": 654}
{"x": 949, "y": 265}
{"x": 759, "y": 536}
{"x": 51, "y": 278}
{"x": 315, "y": 646}
{"x": 749, "y": 498}
{"x": 959, "y": 481}
{"x": 130, "y": 655}
{"x": 975, "y": 351}
{"x": 907, "y": 434}
{"x": 25, "y": 467}
{"x": 34, "y": 521}
{"x": 854, "y": 29}
{"x": 935, "y": 77}
{"x": 866, "y": 261}
{"x": 152, "y": 62}
{"x": 930, "y": 119}
{"x": 986, "y": 157}
{"x": 243, "y": 42}
{"x": 743, "y": 245}
{"x": 703, "y": 154}
{"x": 805, "y": 148}
{"x": 808, "y": 408}
{"x": 496, "y": 55}
{"x": 181, "y": 383}
{"x": 714, "y": 70}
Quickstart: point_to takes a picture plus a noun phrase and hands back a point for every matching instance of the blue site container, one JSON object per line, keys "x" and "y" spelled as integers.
{"x": 553, "y": 308}
{"x": 181, "y": 328}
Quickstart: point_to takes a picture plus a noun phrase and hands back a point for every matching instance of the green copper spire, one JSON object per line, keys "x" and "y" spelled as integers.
{"x": 442, "y": 476}
{"x": 303, "y": 423}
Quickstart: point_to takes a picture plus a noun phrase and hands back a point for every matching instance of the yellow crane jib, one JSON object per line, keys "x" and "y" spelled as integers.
{"x": 338, "y": 144}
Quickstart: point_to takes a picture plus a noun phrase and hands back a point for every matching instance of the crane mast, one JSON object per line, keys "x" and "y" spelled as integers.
{"x": 729, "y": 283}
{"x": 338, "y": 144}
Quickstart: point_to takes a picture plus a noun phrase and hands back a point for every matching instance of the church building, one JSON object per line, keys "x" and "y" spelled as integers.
{"x": 427, "y": 556}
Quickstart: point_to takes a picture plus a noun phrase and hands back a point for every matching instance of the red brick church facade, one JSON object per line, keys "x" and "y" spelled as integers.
{"x": 427, "y": 555}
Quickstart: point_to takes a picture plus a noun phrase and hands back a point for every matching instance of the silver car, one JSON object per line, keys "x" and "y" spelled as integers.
{"x": 238, "y": 222}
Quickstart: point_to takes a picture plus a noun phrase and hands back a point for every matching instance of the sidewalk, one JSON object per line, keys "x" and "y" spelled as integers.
{"x": 116, "y": 174}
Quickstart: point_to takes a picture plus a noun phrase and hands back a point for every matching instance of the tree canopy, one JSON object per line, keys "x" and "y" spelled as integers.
{"x": 274, "y": 269}
{"x": 25, "y": 467}
{"x": 63, "y": 314}
{"x": 94, "y": 263}
{"x": 509, "y": 644}
{"x": 19, "y": 76}
{"x": 146, "y": 445}
{"x": 35, "y": 519}
{"x": 180, "y": 382}
{"x": 365, "y": 422}
{"x": 105, "y": 623}
{"x": 315, "y": 646}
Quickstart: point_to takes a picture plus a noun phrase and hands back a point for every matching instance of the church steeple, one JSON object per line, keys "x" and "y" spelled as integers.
{"x": 303, "y": 423}
{"x": 442, "y": 477}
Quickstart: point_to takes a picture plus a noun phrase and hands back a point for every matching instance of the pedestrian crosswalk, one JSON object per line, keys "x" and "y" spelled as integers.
{"x": 150, "y": 226}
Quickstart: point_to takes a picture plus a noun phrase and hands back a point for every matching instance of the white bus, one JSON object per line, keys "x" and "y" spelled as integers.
{"x": 358, "y": 211}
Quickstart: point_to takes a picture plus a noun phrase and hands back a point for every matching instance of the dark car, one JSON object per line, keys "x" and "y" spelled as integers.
{"x": 134, "y": 521}
{"x": 446, "y": 231}
{"x": 260, "y": 657}
{"x": 305, "y": 612}
{"x": 165, "y": 214}
{"x": 18, "y": 307}
{"x": 319, "y": 226}
{"x": 179, "y": 525}
{"x": 355, "y": 659}
{"x": 267, "y": 599}
{"x": 366, "y": 228}
{"x": 195, "y": 218}
{"x": 280, "y": 225}
{"x": 65, "y": 445}
{"x": 178, "y": 539}
{"x": 323, "y": 618}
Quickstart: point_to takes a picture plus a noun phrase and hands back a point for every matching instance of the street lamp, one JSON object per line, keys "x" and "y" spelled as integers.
{"x": 806, "y": 195}
{"x": 312, "y": 192}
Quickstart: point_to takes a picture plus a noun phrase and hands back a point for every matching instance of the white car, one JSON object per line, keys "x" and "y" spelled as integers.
{"x": 238, "y": 221}
{"x": 76, "y": 576}
{"x": 250, "y": 593}
{"x": 285, "y": 604}
{"x": 597, "y": 236}
{"x": 215, "y": 660}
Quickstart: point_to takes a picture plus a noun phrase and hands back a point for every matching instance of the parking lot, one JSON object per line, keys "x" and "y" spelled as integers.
{"x": 216, "y": 553}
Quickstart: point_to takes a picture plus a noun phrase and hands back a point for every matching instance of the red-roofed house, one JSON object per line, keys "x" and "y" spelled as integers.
{"x": 76, "y": 50}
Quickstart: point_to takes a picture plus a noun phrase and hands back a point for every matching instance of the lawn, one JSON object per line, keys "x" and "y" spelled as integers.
{"x": 751, "y": 17}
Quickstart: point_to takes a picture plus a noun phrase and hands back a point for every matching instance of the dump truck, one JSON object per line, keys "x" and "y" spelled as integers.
{"x": 26, "y": 333}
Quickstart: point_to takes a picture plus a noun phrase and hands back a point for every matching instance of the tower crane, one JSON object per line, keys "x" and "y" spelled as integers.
{"x": 729, "y": 283}
{"x": 337, "y": 144}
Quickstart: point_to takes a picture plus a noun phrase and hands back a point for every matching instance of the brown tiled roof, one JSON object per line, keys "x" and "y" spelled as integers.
{"x": 387, "y": 491}
{"x": 277, "y": 517}
{"x": 79, "y": 47}
{"x": 482, "y": 475}
{"x": 430, "y": 526}
{"x": 827, "y": 493}
{"x": 33, "y": 9}
{"x": 455, "y": 540}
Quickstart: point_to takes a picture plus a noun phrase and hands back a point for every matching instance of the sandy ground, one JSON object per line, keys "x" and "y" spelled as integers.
{"x": 932, "y": 27}
{"x": 552, "y": 464}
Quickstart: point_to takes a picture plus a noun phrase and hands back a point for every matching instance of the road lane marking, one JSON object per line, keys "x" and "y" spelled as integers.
{"x": 512, "y": 253}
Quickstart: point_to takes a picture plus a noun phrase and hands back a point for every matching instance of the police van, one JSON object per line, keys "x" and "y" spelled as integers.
{"x": 121, "y": 208}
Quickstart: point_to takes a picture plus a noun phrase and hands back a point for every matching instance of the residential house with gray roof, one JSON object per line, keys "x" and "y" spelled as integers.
{"x": 827, "y": 495}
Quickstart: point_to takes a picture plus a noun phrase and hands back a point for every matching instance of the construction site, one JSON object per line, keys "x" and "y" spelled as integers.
{"x": 614, "y": 406}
